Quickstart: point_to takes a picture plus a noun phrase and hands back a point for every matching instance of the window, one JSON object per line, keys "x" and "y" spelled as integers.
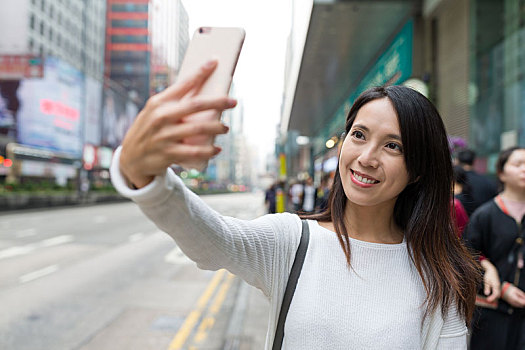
{"x": 59, "y": 15}
{"x": 41, "y": 28}
{"x": 32, "y": 21}
{"x": 59, "y": 39}
{"x": 43, "y": 5}
{"x": 31, "y": 45}
{"x": 50, "y": 34}
{"x": 51, "y": 12}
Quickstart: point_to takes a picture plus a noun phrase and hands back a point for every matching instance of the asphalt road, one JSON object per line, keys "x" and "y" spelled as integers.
{"x": 104, "y": 277}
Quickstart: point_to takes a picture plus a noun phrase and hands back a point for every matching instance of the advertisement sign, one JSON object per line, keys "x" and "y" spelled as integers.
{"x": 9, "y": 105}
{"x": 118, "y": 113}
{"x": 92, "y": 111}
{"x": 21, "y": 66}
{"x": 50, "y": 109}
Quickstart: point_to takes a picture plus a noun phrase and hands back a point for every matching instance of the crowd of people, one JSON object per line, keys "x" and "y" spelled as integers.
{"x": 301, "y": 196}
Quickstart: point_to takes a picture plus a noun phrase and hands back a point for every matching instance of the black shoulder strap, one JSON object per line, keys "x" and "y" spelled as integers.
{"x": 290, "y": 286}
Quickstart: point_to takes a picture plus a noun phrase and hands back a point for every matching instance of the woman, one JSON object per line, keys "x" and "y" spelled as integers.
{"x": 384, "y": 267}
{"x": 495, "y": 230}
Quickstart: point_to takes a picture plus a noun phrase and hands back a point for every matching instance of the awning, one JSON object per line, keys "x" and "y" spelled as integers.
{"x": 344, "y": 40}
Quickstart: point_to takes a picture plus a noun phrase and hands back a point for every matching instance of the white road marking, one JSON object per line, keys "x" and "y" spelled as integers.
{"x": 38, "y": 273}
{"x": 177, "y": 257}
{"x": 26, "y": 233}
{"x": 28, "y": 248}
{"x": 136, "y": 237}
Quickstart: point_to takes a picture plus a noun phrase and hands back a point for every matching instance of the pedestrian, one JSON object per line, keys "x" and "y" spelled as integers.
{"x": 270, "y": 198}
{"x": 323, "y": 192}
{"x": 383, "y": 270}
{"x": 296, "y": 195}
{"x": 462, "y": 190}
{"x": 482, "y": 188}
{"x": 495, "y": 230}
{"x": 309, "y": 196}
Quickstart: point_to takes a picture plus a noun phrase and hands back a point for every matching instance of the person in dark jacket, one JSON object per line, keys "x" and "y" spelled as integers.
{"x": 482, "y": 188}
{"x": 270, "y": 199}
{"x": 462, "y": 190}
{"x": 495, "y": 230}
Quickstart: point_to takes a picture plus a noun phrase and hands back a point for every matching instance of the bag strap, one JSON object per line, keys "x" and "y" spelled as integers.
{"x": 290, "y": 286}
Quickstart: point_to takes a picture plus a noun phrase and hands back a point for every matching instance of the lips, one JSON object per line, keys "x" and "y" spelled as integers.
{"x": 364, "y": 178}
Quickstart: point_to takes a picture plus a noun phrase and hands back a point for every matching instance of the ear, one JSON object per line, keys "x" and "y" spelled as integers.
{"x": 502, "y": 177}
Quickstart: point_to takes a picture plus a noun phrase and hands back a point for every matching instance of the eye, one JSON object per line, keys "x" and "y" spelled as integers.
{"x": 394, "y": 146}
{"x": 358, "y": 134}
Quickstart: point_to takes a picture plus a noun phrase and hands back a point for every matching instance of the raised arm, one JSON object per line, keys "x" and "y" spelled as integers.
{"x": 256, "y": 250}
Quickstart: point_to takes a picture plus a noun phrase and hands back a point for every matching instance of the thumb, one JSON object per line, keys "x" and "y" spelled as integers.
{"x": 487, "y": 289}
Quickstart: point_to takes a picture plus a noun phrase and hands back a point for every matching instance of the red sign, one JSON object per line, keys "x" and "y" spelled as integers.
{"x": 21, "y": 66}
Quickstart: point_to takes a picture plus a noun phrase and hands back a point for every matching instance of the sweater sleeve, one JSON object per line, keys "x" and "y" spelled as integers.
{"x": 248, "y": 248}
{"x": 454, "y": 332}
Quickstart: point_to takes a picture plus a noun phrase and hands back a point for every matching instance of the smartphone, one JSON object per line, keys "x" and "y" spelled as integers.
{"x": 207, "y": 43}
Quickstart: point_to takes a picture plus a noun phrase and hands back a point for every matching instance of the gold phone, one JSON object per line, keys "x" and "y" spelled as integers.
{"x": 207, "y": 43}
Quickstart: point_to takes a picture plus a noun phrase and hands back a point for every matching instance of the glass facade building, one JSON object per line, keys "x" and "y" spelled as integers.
{"x": 128, "y": 46}
{"x": 497, "y": 77}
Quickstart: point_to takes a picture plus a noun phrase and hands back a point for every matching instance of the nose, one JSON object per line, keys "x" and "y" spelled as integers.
{"x": 369, "y": 157}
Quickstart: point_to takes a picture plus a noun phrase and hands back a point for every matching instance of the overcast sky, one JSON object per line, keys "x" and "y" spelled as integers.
{"x": 259, "y": 76}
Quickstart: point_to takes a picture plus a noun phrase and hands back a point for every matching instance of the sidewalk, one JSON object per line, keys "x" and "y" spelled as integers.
{"x": 19, "y": 201}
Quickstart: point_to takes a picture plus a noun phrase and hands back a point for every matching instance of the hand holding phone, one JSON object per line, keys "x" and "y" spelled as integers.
{"x": 224, "y": 45}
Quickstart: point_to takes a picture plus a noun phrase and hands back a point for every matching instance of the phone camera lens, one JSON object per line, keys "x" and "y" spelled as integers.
{"x": 201, "y": 30}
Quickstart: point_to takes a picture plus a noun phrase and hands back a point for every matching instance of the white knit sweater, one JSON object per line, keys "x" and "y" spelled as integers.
{"x": 376, "y": 305}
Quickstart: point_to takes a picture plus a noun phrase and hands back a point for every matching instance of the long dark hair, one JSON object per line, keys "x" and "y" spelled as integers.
{"x": 422, "y": 209}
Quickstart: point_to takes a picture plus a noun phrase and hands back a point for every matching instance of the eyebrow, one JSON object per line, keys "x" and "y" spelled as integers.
{"x": 361, "y": 126}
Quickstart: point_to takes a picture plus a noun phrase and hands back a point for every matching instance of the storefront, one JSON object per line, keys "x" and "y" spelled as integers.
{"x": 497, "y": 78}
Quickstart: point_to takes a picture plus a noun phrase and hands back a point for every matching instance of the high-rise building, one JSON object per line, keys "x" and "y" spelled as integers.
{"x": 169, "y": 40}
{"x": 69, "y": 30}
{"x": 50, "y": 115}
{"x": 128, "y": 46}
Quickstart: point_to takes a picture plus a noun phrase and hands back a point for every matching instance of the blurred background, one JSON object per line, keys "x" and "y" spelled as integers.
{"x": 75, "y": 73}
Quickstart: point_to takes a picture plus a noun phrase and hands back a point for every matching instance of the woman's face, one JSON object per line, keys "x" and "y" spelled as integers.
{"x": 371, "y": 164}
{"x": 513, "y": 175}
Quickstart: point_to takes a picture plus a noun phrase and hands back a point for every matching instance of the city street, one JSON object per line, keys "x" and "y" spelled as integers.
{"x": 104, "y": 277}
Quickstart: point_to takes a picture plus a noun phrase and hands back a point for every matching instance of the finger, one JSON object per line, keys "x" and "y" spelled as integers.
{"x": 487, "y": 289}
{"x": 520, "y": 293}
{"x": 195, "y": 81}
{"x": 181, "y": 131}
{"x": 175, "y": 112}
{"x": 492, "y": 297}
{"x": 183, "y": 152}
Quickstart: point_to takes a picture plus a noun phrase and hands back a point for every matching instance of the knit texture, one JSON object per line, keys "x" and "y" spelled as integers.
{"x": 378, "y": 304}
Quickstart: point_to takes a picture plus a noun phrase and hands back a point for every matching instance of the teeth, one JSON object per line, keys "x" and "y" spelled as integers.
{"x": 364, "y": 179}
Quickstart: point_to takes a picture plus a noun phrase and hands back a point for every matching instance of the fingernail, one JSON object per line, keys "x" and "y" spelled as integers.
{"x": 217, "y": 150}
{"x": 226, "y": 128}
{"x": 232, "y": 102}
{"x": 210, "y": 63}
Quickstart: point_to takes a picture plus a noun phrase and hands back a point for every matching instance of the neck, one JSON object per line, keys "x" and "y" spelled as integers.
{"x": 372, "y": 224}
{"x": 467, "y": 167}
{"x": 513, "y": 195}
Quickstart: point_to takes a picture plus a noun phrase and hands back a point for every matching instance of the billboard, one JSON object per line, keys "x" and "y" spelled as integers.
{"x": 118, "y": 113}
{"x": 9, "y": 105}
{"x": 50, "y": 109}
{"x": 21, "y": 66}
{"x": 92, "y": 111}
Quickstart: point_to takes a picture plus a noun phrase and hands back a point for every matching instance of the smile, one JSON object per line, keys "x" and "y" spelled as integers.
{"x": 363, "y": 180}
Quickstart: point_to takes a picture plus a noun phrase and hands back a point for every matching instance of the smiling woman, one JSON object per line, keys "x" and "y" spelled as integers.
{"x": 408, "y": 284}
